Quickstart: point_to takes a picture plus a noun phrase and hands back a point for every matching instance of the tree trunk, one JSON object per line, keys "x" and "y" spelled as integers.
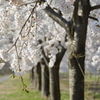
{"x": 76, "y": 66}
{"x": 76, "y": 50}
{"x": 45, "y": 79}
{"x": 76, "y": 78}
{"x": 37, "y": 77}
{"x": 54, "y": 83}
{"x": 32, "y": 75}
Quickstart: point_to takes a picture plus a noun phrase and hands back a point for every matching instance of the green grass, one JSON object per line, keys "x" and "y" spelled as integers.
{"x": 64, "y": 89}
{"x": 92, "y": 81}
{"x": 2, "y": 75}
{"x": 64, "y": 96}
{"x": 92, "y": 78}
{"x": 89, "y": 94}
{"x": 11, "y": 90}
{"x": 21, "y": 96}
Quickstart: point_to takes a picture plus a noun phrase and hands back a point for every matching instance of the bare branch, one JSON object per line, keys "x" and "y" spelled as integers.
{"x": 95, "y": 7}
{"x": 28, "y": 18}
{"x": 17, "y": 58}
{"x": 80, "y": 67}
{"x": 56, "y": 17}
{"x": 44, "y": 56}
{"x": 75, "y": 12}
{"x": 13, "y": 45}
{"x": 22, "y": 47}
{"x": 27, "y": 3}
{"x": 93, "y": 18}
{"x": 30, "y": 26}
{"x": 60, "y": 55}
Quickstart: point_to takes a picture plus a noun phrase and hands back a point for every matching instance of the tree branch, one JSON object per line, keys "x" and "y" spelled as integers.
{"x": 75, "y": 12}
{"x": 44, "y": 56}
{"x": 93, "y": 18}
{"x": 59, "y": 19}
{"x": 60, "y": 55}
{"x": 95, "y": 7}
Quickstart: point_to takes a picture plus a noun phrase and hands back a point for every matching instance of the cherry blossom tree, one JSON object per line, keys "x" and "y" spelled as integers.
{"x": 23, "y": 23}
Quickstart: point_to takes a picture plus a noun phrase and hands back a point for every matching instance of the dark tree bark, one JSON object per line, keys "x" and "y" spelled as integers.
{"x": 45, "y": 79}
{"x": 77, "y": 49}
{"x": 37, "y": 77}
{"x": 54, "y": 77}
{"x": 54, "y": 83}
{"x": 53, "y": 74}
{"x": 32, "y": 75}
{"x": 45, "y": 74}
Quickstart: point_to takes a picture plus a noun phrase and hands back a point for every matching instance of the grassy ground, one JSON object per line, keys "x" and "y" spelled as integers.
{"x": 11, "y": 90}
{"x": 64, "y": 89}
{"x": 92, "y": 87}
{"x": 2, "y": 75}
